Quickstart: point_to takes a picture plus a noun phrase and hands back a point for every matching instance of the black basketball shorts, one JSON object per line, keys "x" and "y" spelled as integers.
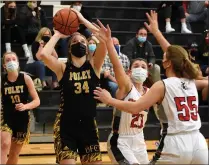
{"x": 76, "y": 137}
{"x": 18, "y": 125}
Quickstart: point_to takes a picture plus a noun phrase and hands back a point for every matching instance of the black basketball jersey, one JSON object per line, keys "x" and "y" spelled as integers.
{"x": 77, "y": 96}
{"x": 13, "y": 93}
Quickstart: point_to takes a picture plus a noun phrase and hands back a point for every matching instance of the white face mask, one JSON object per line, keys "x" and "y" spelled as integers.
{"x": 12, "y": 66}
{"x": 78, "y": 8}
{"x": 139, "y": 75}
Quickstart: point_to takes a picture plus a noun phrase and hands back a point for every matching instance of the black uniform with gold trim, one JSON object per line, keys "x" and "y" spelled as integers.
{"x": 13, "y": 121}
{"x": 75, "y": 129}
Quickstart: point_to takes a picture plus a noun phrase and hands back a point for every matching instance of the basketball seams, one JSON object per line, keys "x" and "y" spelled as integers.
{"x": 67, "y": 26}
{"x": 67, "y": 19}
{"x": 59, "y": 24}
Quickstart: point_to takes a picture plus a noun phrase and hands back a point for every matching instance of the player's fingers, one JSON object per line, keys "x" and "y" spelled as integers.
{"x": 149, "y": 17}
{"x": 96, "y": 92}
{"x": 96, "y": 25}
{"x": 98, "y": 98}
{"x": 101, "y": 25}
{"x": 147, "y": 26}
{"x": 99, "y": 89}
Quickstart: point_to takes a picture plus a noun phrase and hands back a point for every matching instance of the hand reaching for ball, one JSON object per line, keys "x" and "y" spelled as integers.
{"x": 104, "y": 33}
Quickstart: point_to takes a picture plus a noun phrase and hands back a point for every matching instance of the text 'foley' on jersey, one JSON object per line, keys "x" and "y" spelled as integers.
{"x": 77, "y": 95}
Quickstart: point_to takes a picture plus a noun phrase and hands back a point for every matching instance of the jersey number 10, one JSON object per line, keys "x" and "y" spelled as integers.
{"x": 190, "y": 109}
{"x": 15, "y": 99}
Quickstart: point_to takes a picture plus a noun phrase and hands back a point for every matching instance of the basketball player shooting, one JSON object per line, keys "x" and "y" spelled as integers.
{"x": 182, "y": 143}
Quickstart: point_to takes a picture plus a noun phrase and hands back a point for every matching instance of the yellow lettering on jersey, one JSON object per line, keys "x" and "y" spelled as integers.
{"x": 80, "y": 75}
{"x": 71, "y": 76}
{"x": 84, "y": 75}
{"x": 75, "y": 76}
{"x": 88, "y": 73}
{"x": 13, "y": 90}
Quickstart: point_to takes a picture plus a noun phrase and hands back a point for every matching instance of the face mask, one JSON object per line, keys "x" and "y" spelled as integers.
{"x": 12, "y": 66}
{"x": 45, "y": 38}
{"x": 142, "y": 39}
{"x": 12, "y": 10}
{"x": 78, "y": 50}
{"x": 139, "y": 75}
{"x": 92, "y": 47}
{"x": 117, "y": 48}
{"x": 78, "y": 8}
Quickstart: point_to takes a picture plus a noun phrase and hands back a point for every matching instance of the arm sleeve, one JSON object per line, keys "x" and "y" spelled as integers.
{"x": 151, "y": 55}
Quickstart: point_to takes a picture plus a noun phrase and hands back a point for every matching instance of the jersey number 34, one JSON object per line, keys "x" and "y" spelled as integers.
{"x": 186, "y": 108}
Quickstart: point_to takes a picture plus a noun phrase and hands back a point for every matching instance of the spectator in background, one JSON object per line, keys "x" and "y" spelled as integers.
{"x": 168, "y": 8}
{"x": 204, "y": 53}
{"x": 10, "y": 27}
{"x": 82, "y": 28}
{"x": 107, "y": 67}
{"x": 31, "y": 18}
{"x": 196, "y": 11}
{"x": 193, "y": 53}
{"x": 92, "y": 45}
{"x": 36, "y": 67}
{"x": 140, "y": 47}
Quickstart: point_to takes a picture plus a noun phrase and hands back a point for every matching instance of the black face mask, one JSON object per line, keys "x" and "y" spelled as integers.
{"x": 45, "y": 38}
{"x": 78, "y": 50}
{"x": 12, "y": 10}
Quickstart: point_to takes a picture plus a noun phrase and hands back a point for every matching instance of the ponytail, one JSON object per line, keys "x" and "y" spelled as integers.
{"x": 189, "y": 70}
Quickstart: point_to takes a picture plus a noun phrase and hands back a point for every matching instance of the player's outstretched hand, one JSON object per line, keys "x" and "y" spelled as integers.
{"x": 104, "y": 33}
{"x": 102, "y": 95}
{"x": 20, "y": 107}
{"x": 153, "y": 22}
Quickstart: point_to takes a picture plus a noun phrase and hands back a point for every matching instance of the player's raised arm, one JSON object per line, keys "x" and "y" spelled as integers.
{"x": 124, "y": 83}
{"x": 50, "y": 61}
{"x": 154, "y": 95}
{"x": 153, "y": 28}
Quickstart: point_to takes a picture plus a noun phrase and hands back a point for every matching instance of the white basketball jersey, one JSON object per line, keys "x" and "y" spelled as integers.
{"x": 180, "y": 104}
{"x": 132, "y": 124}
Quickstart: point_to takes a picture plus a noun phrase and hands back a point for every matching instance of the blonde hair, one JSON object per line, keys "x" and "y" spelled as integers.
{"x": 41, "y": 33}
{"x": 93, "y": 39}
{"x": 182, "y": 66}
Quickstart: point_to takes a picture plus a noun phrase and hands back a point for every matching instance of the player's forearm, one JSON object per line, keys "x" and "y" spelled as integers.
{"x": 33, "y": 104}
{"x": 89, "y": 25}
{"x": 126, "y": 106}
{"x": 161, "y": 40}
{"x": 205, "y": 93}
{"x": 49, "y": 47}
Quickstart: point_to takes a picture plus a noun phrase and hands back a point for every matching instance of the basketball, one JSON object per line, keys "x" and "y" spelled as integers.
{"x": 66, "y": 21}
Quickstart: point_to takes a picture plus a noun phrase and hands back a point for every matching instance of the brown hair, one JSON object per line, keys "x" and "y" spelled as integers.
{"x": 4, "y": 55}
{"x": 69, "y": 45}
{"x": 8, "y": 15}
{"x": 182, "y": 66}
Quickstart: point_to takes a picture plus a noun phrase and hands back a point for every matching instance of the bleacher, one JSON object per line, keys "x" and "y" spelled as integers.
{"x": 124, "y": 18}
